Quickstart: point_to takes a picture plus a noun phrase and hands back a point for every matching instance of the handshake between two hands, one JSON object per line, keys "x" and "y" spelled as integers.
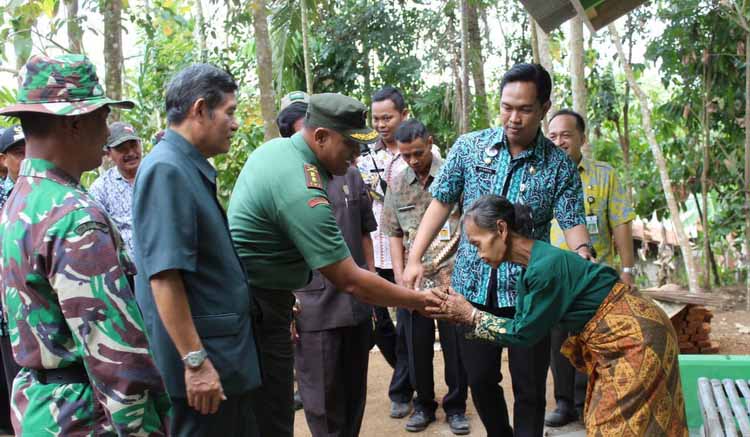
{"x": 443, "y": 303}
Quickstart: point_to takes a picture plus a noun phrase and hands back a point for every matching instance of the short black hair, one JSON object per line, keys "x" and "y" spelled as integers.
{"x": 580, "y": 124}
{"x": 410, "y": 130}
{"x": 192, "y": 83}
{"x": 288, "y": 116}
{"x": 390, "y": 93}
{"x": 530, "y": 73}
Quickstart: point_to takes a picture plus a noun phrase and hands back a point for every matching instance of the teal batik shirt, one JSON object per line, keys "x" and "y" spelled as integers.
{"x": 542, "y": 177}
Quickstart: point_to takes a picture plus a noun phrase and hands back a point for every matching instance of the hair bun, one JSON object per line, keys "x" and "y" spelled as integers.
{"x": 523, "y": 220}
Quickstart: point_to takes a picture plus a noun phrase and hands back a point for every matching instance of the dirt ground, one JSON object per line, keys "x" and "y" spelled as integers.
{"x": 730, "y": 327}
{"x": 377, "y": 422}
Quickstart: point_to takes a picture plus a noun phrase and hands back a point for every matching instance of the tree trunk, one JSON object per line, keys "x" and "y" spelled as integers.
{"x": 577, "y": 75}
{"x": 704, "y": 174}
{"x": 306, "y": 46}
{"x": 466, "y": 93}
{"x": 477, "y": 66}
{"x": 264, "y": 62}
{"x": 682, "y": 238}
{"x": 747, "y": 168}
{"x": 542, "y": 41}
{"x": 200, "y": 30}
{"x": 534, "y": 42}
{"x": 75, "y": 33}
{"x": 113, "y": 51}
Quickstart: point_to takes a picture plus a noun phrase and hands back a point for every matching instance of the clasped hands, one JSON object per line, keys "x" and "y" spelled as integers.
{"x": 448, "y": 305}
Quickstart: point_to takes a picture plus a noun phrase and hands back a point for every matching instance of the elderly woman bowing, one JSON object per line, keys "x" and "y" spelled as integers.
{"x": 626, "y": 343}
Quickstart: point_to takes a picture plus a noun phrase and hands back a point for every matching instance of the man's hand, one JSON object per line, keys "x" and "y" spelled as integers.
{"x": 453, "y": 307}
{"x": 428, "y": 300}
{"x": 412, "y": 275}
{"x": 585, "y": 253}
{"x": 203, "y": 387}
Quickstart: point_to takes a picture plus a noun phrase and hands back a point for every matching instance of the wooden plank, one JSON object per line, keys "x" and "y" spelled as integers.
{"x": 711, "y": 420}
{"x": 745, "y": 390}
{"x": 611, "y": 10}
{"x": 581, "y": 11}
{"x": 730, "y": 430}
{"x": 740, "y": 412}
{"x": 685, "y": 297}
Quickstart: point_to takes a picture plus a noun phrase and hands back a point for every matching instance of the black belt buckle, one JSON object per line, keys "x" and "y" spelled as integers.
{"x": 66, "y": 375}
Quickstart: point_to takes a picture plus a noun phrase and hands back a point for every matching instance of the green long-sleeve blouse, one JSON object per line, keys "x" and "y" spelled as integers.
{"x": 557, "y": 287}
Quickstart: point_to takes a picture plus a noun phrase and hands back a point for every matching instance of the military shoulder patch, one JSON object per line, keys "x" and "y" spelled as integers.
{"x": 312, "y": 176}
{"x": 315, "y": 201}
{"x": 91, "y": 226}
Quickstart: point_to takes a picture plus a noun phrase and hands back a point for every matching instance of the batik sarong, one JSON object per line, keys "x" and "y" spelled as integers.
{"x": 629, "y": 350}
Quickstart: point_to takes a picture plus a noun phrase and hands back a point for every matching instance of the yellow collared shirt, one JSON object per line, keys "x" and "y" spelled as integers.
{"x": 606, "y": 204}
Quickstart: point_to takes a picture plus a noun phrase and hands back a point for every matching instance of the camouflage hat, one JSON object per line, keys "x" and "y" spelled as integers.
{"x": 342, "y": 114}
{"x": 119, "y": 132}
{"x": 294, "y": 97}
{"x": 11, "y": 137}
{"x": 66, "y": 85}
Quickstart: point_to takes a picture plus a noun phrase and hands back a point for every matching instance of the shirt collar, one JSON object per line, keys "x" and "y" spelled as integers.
{"x": 299, "y": 143}
{"x": 189, "y": 150}
{"x": 411, "y": 176}
{"x": 535, "y": 151}
{"x": 584, "y": 166}
{"x": 41, "y": 168}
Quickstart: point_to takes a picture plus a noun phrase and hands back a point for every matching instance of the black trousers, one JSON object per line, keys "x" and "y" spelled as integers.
{"x": 420, "y": 332}
{"x": 332, "y": 378}
{"x": 8, "y": 371}
{"x": 528, "y": 371}
{"x": 570, "y": 384}
{"x": 235, "y": 418}
{"x": 274, "y": 400}
{"x": 392, "y": 343}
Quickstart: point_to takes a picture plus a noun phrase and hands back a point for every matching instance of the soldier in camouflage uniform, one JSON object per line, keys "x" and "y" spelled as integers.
{"x": 74, "y": 324}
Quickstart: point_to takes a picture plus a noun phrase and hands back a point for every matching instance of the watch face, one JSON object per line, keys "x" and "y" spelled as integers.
{"x": 194, "y": 360}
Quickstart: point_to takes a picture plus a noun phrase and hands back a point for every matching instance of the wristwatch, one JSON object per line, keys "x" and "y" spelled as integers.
{"x": 628, "y": 270}
{"x": 195, "y": 359}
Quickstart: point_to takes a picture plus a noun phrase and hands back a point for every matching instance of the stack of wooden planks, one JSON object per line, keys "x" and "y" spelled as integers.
{"x": 693, "y": 326}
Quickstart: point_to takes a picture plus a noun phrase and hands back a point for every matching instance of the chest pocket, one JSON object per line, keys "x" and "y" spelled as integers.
{"x": 539, "y": 195}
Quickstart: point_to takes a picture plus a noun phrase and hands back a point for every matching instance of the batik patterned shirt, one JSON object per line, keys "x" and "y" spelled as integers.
{"x": 542, "y": 177}
{"x": 382, "y": 164}
{"x": 405, "y": 205}
{"x": 68, "y": 302}
{"x": 607, "y": 206}
{"x": 115, "y": 194}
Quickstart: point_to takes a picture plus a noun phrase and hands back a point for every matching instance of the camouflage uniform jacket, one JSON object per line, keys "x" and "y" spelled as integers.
{"x": 405, "y": 204}
{"x": 68, "y": 302}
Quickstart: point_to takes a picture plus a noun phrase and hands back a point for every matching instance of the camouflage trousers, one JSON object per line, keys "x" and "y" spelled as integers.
{"x": 70, "y": 410}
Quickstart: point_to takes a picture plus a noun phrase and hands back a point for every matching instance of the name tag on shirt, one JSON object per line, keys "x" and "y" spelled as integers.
{"x": 487, "y": 170}
{"x": 406, "y": 208}
{"x": 445, "y": 232}
{"x": 592, "y": 224}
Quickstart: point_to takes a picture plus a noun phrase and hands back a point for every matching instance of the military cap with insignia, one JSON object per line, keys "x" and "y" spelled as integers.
{"x": 340, "y": 113}
{"x": 66, "y": 85}
{"x": 12, "y": 136}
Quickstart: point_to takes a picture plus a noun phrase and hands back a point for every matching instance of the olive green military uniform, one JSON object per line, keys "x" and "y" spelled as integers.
{"x": 283, "y": 228}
